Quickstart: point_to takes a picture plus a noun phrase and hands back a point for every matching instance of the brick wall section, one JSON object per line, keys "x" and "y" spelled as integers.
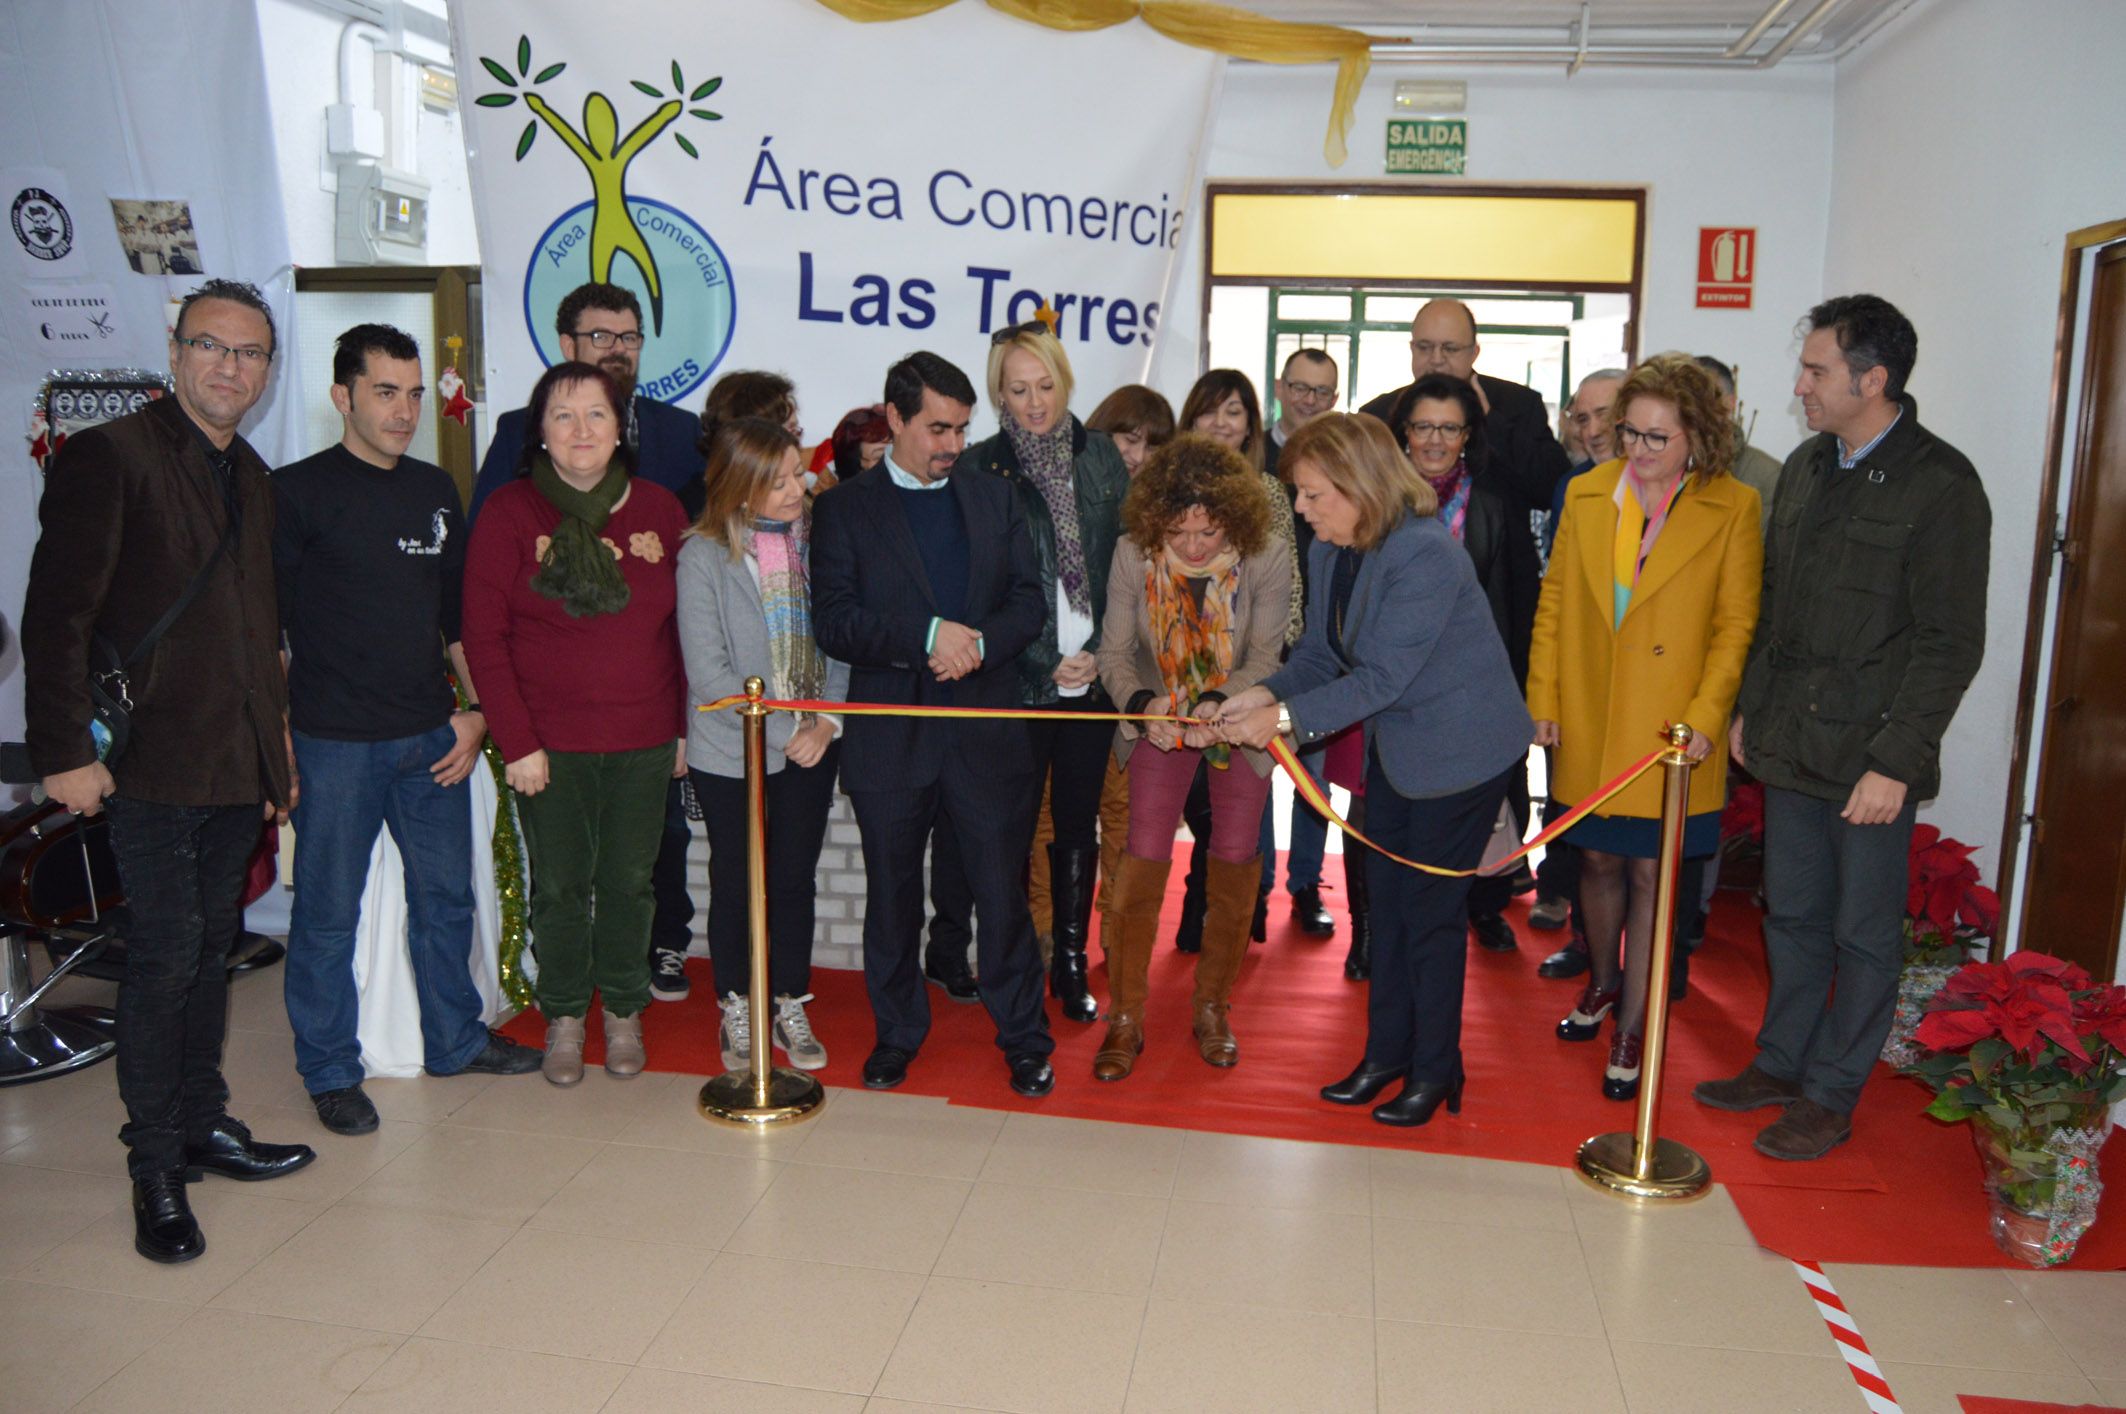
{"x": 838, "y": 939}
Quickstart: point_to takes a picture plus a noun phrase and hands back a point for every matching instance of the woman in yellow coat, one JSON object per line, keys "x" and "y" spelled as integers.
{"x": 1646, "y": 617}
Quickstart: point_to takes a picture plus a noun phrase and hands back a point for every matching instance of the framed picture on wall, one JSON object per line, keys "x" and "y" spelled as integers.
{"x": 74, "y": 400}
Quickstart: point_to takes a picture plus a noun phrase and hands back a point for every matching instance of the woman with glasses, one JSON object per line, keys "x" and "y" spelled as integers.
{"x": 1399, "y": 638}
{"x": 568, "y": 626}
{"x": 1645, "y": 619}
{"x": 1442, "y": 422}
{"x": 1223, "y": 407}
{"x": 1070, "y": 482}
{"x": 1195, "y": 612}
{"x": 745, "y": 610}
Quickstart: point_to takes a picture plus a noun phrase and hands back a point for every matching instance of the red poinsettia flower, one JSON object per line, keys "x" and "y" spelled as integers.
{"x": 1940, "y": 874}
{"x": 2101, "y": 1016}
{"x": 1744, "y": 816}
{"x": 2024, "y": 1001}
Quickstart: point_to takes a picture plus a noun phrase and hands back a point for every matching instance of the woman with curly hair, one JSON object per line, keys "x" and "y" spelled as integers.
{"x": 1223, "y": 407}
{"x": 1645, "y": 619}
{"x": 1195, "y": 611}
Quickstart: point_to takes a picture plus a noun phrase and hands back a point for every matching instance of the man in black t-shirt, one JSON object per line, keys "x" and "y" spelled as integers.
{"x": 369, "y": 555}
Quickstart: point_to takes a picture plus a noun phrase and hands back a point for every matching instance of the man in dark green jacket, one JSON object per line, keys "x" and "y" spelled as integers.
{"x": 1871, "y": 625}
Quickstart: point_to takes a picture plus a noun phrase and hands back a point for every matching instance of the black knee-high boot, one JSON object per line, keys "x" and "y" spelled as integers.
{"x": 1070, "y": 886}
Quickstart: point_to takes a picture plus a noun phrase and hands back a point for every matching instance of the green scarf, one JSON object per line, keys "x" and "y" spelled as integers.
{"x": 578, "y": 568}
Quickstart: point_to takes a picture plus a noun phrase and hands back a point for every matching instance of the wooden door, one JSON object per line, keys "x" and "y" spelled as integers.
{"x": 2076, "y": 885}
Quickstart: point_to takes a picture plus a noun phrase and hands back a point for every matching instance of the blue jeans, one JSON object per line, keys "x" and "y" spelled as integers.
{"x": 349, "y": 788}
{"x": 1309, "y": 833}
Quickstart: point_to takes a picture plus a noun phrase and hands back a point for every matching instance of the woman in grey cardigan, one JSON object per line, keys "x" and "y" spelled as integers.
{"x": 745, "y": 610}
{"x": 1399, "y": 636}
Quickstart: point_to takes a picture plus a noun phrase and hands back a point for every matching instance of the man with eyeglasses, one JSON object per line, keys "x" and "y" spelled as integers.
{"x": 133, "y": 511}
{"x": 1871, "y": 626}
{"x": 602, "y": 324}
{"x": 1523, "y": 452}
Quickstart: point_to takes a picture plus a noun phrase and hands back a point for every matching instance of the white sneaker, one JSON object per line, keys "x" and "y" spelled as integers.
{"x": 736, "y": 1033}
{"x": 793, "y": 1032}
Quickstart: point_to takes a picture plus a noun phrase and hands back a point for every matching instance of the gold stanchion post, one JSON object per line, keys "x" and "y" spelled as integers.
{"x": 762, "y": 1095}
{"x": 1641, "y": 1164}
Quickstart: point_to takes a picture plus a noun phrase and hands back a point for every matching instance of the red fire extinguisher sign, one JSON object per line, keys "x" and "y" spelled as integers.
{"x": 1727, "y": 266}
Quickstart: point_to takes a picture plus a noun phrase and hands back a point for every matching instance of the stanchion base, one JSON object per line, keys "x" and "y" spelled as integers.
{"x": 1678, "y": 1174}
{"x": 728, "y": 1098}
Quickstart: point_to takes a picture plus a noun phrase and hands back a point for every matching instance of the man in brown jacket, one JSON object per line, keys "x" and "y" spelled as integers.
{"x": 132, "y": 511}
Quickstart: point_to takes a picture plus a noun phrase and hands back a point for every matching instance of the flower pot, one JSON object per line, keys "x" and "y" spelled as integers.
{"x": 2041, "y": 1185}
{"x": 1916, "y": 987}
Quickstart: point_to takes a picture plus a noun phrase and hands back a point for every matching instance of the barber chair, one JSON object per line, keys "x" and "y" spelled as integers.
{"x": 58, "y": 884}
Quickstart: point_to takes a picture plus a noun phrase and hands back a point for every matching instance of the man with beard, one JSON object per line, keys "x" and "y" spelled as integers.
{"x": 368, "y": 555}
{"x": 602, "y": 324}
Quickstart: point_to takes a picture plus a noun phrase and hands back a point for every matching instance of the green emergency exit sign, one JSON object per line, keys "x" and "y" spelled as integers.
{"x": 1434, "y": 147}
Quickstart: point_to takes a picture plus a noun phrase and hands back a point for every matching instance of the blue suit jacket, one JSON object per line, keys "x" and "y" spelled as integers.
{"x": 872, "y": 607}
{"x": 666, "y": 453}
{"x": 1427, "y": 671}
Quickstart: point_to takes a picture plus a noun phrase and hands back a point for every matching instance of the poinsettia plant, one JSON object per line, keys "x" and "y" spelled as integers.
{"x": 2025, "y": 1045}
{"x": 1947, "y": 910}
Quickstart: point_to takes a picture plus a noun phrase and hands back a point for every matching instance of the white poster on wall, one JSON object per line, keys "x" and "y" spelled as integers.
{"x": 802, "y": 193}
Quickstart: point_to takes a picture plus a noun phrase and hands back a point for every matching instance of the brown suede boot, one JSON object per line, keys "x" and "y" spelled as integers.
{"x": 1229, "y": 891}
{"x": 1139, "y": 890}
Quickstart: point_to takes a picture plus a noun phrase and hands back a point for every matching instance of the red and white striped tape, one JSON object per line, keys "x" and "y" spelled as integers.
{"x": 1874, "y": 1389}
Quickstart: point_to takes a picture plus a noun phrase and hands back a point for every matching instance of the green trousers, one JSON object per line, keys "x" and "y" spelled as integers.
{"x": 593, "y": 835}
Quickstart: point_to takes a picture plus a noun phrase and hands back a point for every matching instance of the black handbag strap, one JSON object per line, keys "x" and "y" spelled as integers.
{"x": 184, "y": 600}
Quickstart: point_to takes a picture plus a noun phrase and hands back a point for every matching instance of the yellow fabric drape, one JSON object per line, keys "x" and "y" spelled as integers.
{"x": 1218, "y": 28}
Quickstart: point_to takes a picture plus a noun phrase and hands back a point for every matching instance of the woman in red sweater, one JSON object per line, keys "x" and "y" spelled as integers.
{"x": 570, "y": 633}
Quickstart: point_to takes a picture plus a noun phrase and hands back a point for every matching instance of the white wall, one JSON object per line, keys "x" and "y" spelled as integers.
{"x": 1970, "y": 138}
{"x": 302, "y": 76}
{"x": 1728, "y": 149}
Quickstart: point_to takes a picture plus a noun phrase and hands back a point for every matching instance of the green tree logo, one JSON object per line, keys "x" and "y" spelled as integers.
{"x": 604, "y": 154}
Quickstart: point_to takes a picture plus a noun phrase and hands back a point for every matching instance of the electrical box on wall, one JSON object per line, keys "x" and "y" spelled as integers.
{"x": 383, "y": 216}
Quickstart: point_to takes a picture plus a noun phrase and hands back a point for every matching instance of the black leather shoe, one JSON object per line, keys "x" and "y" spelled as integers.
{"x": 1361, "y": 1085}
{"x": 502, "y": 1056}
{"x": 1494, "y": 933}
{"x": 886, "y": 1067}
{"x": 1313, "y": 915}
{"x": 1568, "y": 961}
{"x": 1418, "y": 1101}
{"x": 957, "y": 982}
{"x": 346, "y": 1111}
{"x": 164, "y": 1229}
{"x": 1031, "y": 1074}
{"x": 231, "y": 1152}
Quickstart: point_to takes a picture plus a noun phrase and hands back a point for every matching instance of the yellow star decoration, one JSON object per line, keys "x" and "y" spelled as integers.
{"x": 1049, "y": 317}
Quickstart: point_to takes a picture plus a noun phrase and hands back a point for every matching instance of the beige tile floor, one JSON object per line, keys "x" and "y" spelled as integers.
{"x": 500, "y": 1245}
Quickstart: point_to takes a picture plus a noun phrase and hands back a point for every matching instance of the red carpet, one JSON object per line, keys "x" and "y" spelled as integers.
{"x": 1904, "y": 1190}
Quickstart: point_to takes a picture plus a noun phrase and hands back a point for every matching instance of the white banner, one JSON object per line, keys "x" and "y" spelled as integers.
{"x": 786, "y": 189}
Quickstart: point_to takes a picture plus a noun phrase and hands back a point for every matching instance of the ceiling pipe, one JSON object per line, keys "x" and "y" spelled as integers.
{"x": 1584, "y": 53}
{"x": 1586, "y": 26}
{"x": 1756, "y": 31}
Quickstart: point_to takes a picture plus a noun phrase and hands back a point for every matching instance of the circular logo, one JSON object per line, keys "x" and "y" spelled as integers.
{"x": 41, "y": 224}
{"x": 687, "y": 324}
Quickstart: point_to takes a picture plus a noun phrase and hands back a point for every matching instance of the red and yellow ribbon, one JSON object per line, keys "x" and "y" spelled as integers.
{"x": 1279, "y": 748}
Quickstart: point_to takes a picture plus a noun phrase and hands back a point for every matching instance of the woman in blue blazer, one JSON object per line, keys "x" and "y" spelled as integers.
{"x": 1399, "y": 636}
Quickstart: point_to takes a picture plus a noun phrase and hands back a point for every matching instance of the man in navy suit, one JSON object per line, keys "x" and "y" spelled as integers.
{"x": 925, "y": 583}
{"x": 602, "y": 324}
